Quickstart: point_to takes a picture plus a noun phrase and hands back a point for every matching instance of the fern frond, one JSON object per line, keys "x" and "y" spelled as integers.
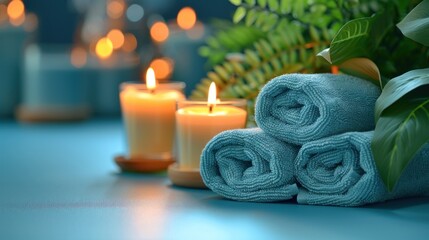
{"x": 234, "y": 38}
{"x": 268, "y": 15}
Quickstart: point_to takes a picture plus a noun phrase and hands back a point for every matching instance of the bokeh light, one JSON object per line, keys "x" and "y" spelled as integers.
{"x": 130, "y": 42}
{"x": 115, "y": 9}
{"x": 78, "y": 57}
{"x": 197, "y": 32}
{"x": 163, "y": 67}
{"x": 116, "y": 37}
{"x": 17, "y": 21}
{"x": 159, "y": 31}
{"x": 104, "y": 48}
{"x": 31, "y": 23}
{"x": 135, "y": 12}
{"x": 15, "y": 9}
{"x": 186, "y": 18}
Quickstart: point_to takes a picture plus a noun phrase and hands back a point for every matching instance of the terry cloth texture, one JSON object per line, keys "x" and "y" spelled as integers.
{"x": 249, "y": 165}
{"x": 299, "y": 108}
{"x": 340, "y": 170}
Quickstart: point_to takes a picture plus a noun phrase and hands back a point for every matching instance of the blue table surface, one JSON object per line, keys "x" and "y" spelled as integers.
{"x": 59, "y": 181}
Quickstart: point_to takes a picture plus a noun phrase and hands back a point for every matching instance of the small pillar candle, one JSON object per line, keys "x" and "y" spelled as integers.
{"x": 198, "y": 122}
{"x": 149, "y": 115}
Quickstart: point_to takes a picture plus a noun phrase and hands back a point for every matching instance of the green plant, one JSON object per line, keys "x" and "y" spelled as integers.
{"x": 369, "y": 46}
{"x": 293, "y": 32}
{"x": 402, "y": 110}
{"x": 229, "y": 38}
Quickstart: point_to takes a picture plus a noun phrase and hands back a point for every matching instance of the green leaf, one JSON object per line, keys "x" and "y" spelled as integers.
{"x": 252, "y": 58}
{"x": 400, "y": 133}
{"x": 251, "y": 2}
{"x": 222, "y": 72}
{"x": 359, "y": 37}
{"x": 314, "y": 34}
{"x": 239, "y": 14}
{"x": 262, "y": 3}
{"x": 204, "y": 51}
{"x": 363, "y": 68}
{"x": 401, "y": 6}
{"x": 416, "y": 24}
{"x": 251, "y": 17}
{"x": 285, "y": 6}
{"x": 273, "y": 5}
{"x": 398, "y": 87}
{"x": 235, "y": 2}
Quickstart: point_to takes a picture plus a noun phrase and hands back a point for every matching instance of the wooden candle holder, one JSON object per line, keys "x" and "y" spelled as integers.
{"x": 142, "y": 165}
{"x": 185, "y": 178}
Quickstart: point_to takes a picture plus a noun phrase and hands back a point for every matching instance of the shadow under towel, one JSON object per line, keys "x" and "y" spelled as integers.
{"x": 249, "y": 165}
{"x": 340, "y": 170}
{"x": 299, "y": 108}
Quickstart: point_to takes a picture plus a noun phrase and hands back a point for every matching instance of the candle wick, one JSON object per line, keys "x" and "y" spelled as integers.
{"x": 152, "y": 91}
{"x": 210, "y": 108}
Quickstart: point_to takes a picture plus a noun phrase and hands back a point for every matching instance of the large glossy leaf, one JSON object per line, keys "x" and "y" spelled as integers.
{"x": 416, "y": 24}
{"x": 400, "y": 133}
{"x": 363, "y": 68}
{"x": 398, "y": 87}
{"x": 359, "y": 37}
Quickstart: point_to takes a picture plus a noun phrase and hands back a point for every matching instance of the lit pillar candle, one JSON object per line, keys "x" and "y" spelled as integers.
{"x": 198, "y": 122}
{"x": 149, "y": 116}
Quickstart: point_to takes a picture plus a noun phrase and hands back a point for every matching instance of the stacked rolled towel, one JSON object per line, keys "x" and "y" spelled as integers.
{"x": 249, "y": 165}
{"x": 299, "y": 108}
{"x": 340, "y": 170}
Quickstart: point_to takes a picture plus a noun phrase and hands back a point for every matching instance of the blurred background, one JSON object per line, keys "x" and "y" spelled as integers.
{"x": 65, "y": 59}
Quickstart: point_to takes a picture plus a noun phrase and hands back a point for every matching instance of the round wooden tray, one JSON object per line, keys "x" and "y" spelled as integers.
{"x": 185, "y": 178}
{"x": 143, "y": 165}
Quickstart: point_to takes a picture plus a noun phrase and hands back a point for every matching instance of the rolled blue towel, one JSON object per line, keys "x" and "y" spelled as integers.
{"x": 299, "y": 108}
{"x": 340, "y": 170}
{"x": 249, "y": 165}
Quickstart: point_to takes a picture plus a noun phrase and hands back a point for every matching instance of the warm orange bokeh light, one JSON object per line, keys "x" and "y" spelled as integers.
{"x": 115, "y": 9}
{"x": 117, "y": 38}
{"x": 186, "y": 18}
{"x": 150, "y": 79}
{"x": 163, "y": 67}
{"x": 104, "y": 48}
{"x": 211, "y": 99}
{"x": 159, "y": 32}
{"x": 130, "y": 42}
{"x": 15, "y": 9}
{"x": 17, "y": 21}
{"x": 78, "y": 57}
{"x": 197, "y": 32}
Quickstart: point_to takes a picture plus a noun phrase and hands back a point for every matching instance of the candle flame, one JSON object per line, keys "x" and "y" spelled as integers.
{"x": 150, "y": 79}
{"x": 211, "y": 100}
